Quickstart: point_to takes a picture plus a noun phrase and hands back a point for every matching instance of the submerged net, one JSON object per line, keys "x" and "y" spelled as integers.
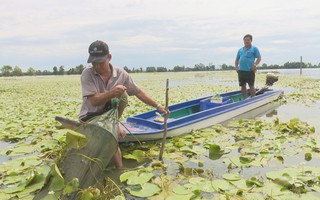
{"x": 88, "y": 163}
{"x": 88, "y": 153}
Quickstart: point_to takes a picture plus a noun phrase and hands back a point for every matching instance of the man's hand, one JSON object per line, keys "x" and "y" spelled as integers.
{"x": 117, "y": 91}
{"x": 122, "y": 133}
{"x": 254, "y": 68}
{"x": 163, "y": 110}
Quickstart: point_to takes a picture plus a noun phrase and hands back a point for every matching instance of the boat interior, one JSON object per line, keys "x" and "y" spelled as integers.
{"x": 185, "y": 112}
{"x": 203, "y": 104}
{"x": 180, "y": 112}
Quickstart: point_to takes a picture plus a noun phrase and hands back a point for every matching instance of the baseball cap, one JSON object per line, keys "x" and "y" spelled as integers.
{"x": 98, "y": 51}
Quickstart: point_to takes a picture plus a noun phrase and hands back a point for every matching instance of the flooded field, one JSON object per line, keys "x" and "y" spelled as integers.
{"x": 239, "y": 159}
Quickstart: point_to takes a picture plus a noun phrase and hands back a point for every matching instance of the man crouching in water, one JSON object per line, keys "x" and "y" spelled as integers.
{"x": 102, "y": 82}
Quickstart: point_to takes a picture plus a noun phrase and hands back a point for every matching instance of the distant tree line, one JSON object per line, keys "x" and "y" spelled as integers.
{"x": 211, "y": 67}
{"x": 197, "y": 67}
{"x": 8, "y": 70}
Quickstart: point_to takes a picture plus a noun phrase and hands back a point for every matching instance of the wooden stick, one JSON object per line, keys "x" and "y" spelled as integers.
{"x": 165, "y": 122}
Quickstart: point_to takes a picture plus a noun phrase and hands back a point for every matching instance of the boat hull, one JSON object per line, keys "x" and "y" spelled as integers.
{"x": 146, "y": 130}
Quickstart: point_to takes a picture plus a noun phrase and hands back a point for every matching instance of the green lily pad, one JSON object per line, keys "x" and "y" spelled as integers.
{"x": 181, "y": 190}
{"x": 199, "y": 184}
{"x": 14, "y": 188}
{"x": 254, "y": 181}
{"x": 20, "y": 149}
{"x": 136, "y": 177}
{"x": 193, "y": 149}
{"x": 142, "y": 178}
{"x": 253, "y": 196}
{"x": 231, "y": 177}
{"x": 20, "y": 164}
{"x": 179, "y": 197}
{"x": 57, "y": 181}
{"x": 222, "y": 185}
{"x": 137, "y": 155}
{"x": 198, "y": 181}
{"x": 215, "y": 151}
{"x": 127, "y": 175}
{"x": 76, "y": 140}
{"x": 308, "y": 156}
{"x": 146, "y": 190}
{"x": 71, "y": 186}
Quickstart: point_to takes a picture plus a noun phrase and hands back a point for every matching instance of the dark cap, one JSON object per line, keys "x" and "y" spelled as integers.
{"x": 98, "y": 51}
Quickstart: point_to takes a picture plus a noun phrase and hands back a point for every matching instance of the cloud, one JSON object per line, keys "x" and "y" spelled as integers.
{"x": 141, "y": 32}
{"x": 281, "y": 42}
{"x": 180, "y": 49}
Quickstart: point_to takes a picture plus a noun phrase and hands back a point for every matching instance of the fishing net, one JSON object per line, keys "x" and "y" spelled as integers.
{"x": 108, "y": 120}
{"x": 88, "y": 163}
{"x": 102, "y": 134}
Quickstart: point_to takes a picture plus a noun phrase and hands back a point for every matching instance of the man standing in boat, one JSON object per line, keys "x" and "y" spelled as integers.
{"x": 247, "y": 60}
{"x": 103, "y": 82}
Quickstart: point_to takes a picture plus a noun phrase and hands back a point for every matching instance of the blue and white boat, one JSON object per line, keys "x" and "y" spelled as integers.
{"x": 194, "y": 114}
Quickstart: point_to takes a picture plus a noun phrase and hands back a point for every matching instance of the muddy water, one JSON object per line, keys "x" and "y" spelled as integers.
{"x": 269, "y": 112}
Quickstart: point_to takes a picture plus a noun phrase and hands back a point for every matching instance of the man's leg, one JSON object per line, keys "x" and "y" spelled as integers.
{"x": 244, "y": 90}
{"x": 117, "y": 159}
{"x": 252, "y": 90}
{"x": 251, "y": 80}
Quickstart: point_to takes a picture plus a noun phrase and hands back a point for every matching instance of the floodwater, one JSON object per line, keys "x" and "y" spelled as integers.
{"x": 268, "y": 112}
{"x": 283, "y": 111}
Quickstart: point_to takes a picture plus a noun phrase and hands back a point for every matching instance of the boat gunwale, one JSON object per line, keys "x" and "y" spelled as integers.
{"x": 201, "y": 115}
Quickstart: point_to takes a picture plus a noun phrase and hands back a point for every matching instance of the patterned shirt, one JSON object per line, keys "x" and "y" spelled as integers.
{"x": 92, "y": 83}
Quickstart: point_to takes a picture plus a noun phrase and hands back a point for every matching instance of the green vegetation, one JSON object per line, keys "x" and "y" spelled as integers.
{"x": 246, "y": 159}
{"x": 7, "y": 70}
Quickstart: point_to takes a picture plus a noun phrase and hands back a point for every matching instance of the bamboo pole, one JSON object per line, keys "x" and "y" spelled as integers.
{"x": 165, "y": 122}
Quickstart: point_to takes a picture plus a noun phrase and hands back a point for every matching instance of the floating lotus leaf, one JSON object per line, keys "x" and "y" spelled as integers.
{"x": 57, "y": 181}
{"x": 140, "y": 179}
{"x": 71, "y": 186}
{"x": 14, "y": 188}
{"x": 221, "y": 185}
{"x": 253, "y": 196}
{"x": 181, "y": 190}
{"x": 254, "y": 181}
{"x": 125, "y": 176}
{"x": 14, "y": 178}
{"x": 231, "y": 177}
{"x": 199, "y": 184}
{"x": 146, "y": 190}
{"x": 240, "y": 184}
{"x": 193, "y": 149}
{"x": 76, "y": 140}
{"x": 119, "y": 198}
{"x": 179, "y": 197}
{"x": 20, "y": 164}
{"x": 137, "y": 155}
{"x": 136, "y": 177}
{"x": 20, "y": 149}
{"x": 198, "y": 181}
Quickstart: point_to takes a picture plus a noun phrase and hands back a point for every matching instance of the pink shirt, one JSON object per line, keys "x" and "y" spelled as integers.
{"x": 92, "y": 83}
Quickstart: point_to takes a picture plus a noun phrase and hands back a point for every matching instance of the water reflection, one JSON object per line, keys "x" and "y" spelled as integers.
{"x": 268, "y": 110}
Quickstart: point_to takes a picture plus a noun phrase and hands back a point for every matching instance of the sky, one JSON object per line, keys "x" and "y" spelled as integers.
{"x": 141, "y": 33}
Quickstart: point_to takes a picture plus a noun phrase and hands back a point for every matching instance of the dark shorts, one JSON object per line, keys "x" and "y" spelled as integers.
{"x": 246, "y": 77}
{"x": 88, "y": 116}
